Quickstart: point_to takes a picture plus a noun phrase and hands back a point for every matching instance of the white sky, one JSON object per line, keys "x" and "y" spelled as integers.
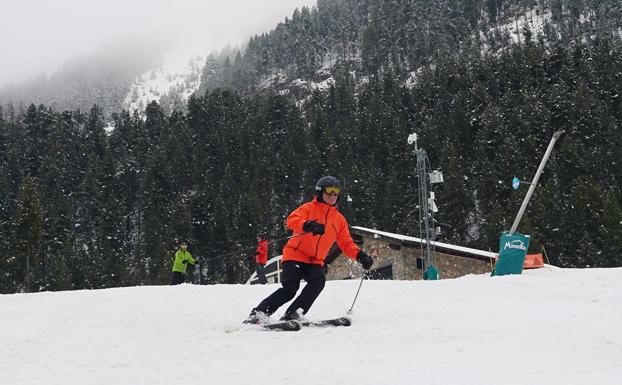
{"x": 39, "y": 35}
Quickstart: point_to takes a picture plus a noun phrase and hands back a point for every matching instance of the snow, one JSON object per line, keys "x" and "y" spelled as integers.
{"x": 547, "y": 326}
{"x": 178, "y": 72}
{"x": 272, "y": 79}
{"x": 535, "y": 20}
{"x": 328, "y": 62}
{"x": 323, "y": 85}
{"x": 109, "y": 128}
{"x": 411, "y": 81}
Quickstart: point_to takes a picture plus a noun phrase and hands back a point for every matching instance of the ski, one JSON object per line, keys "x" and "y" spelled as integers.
{"x": 295, "y": 325}
{"x": 341, "y": 321}
{"x": 263, "y": 321}
{"x": 289, "y": 326}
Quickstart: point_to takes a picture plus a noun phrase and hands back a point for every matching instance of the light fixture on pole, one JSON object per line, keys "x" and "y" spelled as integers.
{"x": 426, "y": 204}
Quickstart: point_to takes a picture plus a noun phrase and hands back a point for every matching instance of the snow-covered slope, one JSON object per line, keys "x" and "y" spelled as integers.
{"x": 550, "y": 326}
{"x": 171, "y": 83}
{"x": 534, "y": 21}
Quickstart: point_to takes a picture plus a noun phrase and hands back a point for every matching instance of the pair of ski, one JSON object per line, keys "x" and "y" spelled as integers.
{"x": 293, "y": 325}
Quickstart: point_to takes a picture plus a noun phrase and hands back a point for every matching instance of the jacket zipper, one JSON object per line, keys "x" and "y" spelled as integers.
{"x": 320, "y": 238}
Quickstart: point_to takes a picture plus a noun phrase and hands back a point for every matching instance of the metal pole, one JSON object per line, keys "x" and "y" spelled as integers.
{"x": 345, "y": 195}
{"x": 357, "y": 293}
{"x": 419, "y": 205}
{"x": 535, "y": 181}
{"x": 423, "y": 185}
{"x": 250, "y": 247}
{"x": 423, "y": 202}
{"x": 28, "y": 280}
{"x": 422, "y": 161}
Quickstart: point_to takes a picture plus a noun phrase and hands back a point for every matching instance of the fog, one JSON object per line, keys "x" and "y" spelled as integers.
{"x": 38, "y": 36}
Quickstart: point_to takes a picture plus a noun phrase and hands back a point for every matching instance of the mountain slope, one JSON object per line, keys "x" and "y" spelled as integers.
{"x": 550, "y": 326}
{"x": 363, "y": 38}
{"x": 359, "y": 38}
{"x": 102, "y": 78}
{"x": 170, "y": 83}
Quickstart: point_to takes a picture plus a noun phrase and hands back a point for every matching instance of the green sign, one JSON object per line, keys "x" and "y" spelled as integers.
{"x": 512, "y": 251}
{"x": 431, "y": 273}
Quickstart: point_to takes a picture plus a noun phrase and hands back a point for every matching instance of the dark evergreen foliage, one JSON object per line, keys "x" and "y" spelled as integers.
{"x": 399, "y": 37}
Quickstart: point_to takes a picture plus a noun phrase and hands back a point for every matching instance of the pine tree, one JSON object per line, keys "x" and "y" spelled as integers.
{"x": 158, "y": 240}
{"x": 586, "y": 216}
{"x": 455, "y": 197}
{"x": 37, "y": 127}
{"x": 181, "y": 220}
{"x": 611, "y": 230}
{"x": 26, "y": 261}
{"x": 6, "y": 187}
{"x": 58, "y": 267}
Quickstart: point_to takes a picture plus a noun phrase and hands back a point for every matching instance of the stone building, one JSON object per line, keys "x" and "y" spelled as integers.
{"x": 401, "y": 257}
{"x": 398, "y": 257}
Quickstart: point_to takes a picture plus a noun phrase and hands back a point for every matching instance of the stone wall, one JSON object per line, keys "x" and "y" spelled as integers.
{"x": 406, "y": 262}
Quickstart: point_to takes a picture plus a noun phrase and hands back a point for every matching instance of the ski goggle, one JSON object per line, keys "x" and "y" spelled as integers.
{"x": 332, "y": 190}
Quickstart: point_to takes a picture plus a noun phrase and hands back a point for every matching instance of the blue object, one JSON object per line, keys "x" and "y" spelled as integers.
{"x": 516, "y": 183}
{"x": 512, "y": 251}
{"x": 431, "y": 273}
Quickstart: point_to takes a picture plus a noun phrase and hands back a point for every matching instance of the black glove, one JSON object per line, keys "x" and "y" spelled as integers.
{"x": 313, "y": 227}
{"x": 365, "y": 260}
{"x": 184, "y": 261}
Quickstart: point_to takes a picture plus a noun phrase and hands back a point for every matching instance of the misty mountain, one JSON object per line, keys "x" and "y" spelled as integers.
{"x": 102, "y": 78}
{"x": 172, "y": 80}
{"x": 170, "y": 83}
{"x": 358, "y": 38}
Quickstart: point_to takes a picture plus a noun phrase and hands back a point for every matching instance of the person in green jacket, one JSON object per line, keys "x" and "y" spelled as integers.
{"x": 182, "y": 258}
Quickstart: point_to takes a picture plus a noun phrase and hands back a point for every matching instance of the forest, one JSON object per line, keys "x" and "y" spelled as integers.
{"x": 89, "y": 201}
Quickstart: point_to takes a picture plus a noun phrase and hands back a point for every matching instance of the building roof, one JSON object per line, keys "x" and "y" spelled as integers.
{"x": 436, "y": 245}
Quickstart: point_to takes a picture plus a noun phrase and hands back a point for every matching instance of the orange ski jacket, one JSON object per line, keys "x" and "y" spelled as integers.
{"x": 261, "y": 254}
{"x": 309, "y": 248}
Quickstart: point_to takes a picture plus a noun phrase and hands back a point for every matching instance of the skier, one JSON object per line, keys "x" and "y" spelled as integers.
{"x": 261, "y": 258}
{"x": 316, "y": 226}
{"x": 182, "y": 257}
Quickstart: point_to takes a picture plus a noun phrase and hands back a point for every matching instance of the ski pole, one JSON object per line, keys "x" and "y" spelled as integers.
{"x": 357, "y": 293}
{"x": 288, "y": 237}
{"x": 251, "y": 247}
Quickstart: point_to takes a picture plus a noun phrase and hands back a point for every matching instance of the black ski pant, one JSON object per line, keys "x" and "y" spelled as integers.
{"x": 291, "y": 275}
{"x": 261, "y": 274}
{"x": 177, "y": 278}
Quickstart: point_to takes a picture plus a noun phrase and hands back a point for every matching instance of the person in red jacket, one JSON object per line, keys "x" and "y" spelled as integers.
{"x": 261, "y": 258}
{"x": 316, "y": 226}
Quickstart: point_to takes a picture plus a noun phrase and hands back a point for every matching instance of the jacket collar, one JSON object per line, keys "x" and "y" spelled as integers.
{"x": 323, "y": 204}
